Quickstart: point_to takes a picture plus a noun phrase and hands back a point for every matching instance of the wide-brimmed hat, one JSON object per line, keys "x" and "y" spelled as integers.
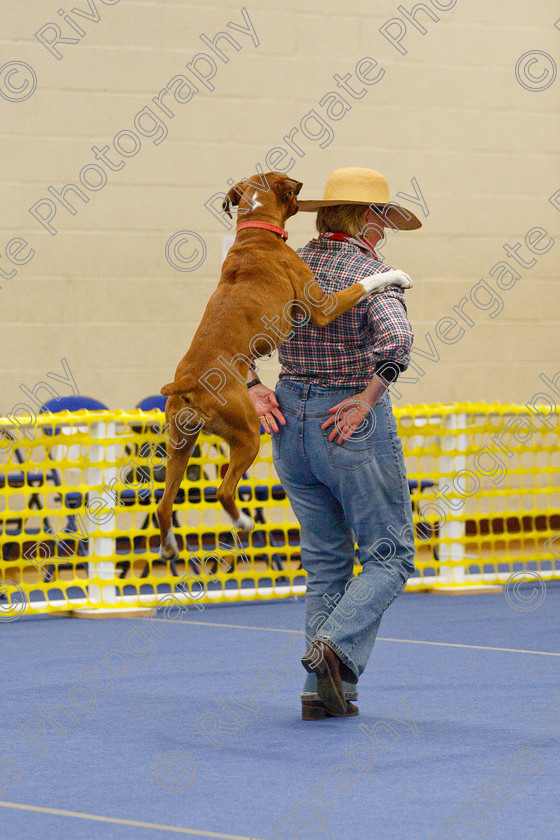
{"x": 354, "y": 185}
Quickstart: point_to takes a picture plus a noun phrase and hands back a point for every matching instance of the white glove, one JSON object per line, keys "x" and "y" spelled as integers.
{"x": 379, "y": 282}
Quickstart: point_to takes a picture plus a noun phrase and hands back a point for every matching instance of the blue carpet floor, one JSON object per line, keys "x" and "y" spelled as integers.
{"x": 184, "y": 726}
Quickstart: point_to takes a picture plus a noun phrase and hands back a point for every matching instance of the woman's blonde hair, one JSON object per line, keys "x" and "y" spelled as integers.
{"x": 341, "y": 218}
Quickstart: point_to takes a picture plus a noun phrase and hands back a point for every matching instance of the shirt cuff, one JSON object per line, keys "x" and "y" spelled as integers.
{"x": 388, "y": 369}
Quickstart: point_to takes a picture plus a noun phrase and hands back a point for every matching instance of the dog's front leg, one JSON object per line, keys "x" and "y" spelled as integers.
{"x": 324, "y": 307}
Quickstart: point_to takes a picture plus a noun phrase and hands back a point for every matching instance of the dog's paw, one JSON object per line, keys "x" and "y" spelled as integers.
{"x": 379, "y": 282}
{"x": 169, "y": 550}
{"x": 244, "y": 523}
{"x": 399, "y": 278}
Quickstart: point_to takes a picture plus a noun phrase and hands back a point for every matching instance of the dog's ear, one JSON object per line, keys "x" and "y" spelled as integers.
{"x": 288, "y": 188}
{"x": 232, "y": 198}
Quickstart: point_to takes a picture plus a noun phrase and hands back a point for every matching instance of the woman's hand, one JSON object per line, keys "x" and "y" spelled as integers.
{"x": 266, "y": 406}
{"x": 347, "y": 416}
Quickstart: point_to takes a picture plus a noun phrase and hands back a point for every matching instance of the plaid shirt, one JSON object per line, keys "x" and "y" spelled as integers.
{"x": 345, "y": 352}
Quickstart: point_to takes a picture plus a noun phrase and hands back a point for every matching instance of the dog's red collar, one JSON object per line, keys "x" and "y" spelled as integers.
{"x": 266, "y": 226}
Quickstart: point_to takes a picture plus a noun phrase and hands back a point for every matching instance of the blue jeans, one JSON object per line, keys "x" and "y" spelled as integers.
{"x": 355, "y": 492}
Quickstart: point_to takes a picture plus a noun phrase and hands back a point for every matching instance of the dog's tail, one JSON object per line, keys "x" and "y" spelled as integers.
{"x": 180, "y": 386}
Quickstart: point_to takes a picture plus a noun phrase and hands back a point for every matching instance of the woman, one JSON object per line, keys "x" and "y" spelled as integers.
{"x": 335, "y": 445}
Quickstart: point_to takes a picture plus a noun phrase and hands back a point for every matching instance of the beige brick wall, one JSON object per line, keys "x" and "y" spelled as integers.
{"x": 449, "y": 113}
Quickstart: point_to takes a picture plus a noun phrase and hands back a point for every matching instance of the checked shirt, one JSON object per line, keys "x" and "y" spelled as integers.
{"x": 347, "y": 351}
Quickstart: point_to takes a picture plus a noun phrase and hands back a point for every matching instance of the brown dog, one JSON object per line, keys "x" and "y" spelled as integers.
{"x": 263, "y": 282}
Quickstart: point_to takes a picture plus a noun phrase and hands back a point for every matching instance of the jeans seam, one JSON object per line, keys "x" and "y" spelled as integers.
{"x": 397, "y": 467}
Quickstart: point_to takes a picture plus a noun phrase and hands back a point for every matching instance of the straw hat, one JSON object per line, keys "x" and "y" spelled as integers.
{"x": 362, "y": 186}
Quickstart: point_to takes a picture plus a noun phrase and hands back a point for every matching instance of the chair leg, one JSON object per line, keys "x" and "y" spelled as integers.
{"x": 124, "y": 568}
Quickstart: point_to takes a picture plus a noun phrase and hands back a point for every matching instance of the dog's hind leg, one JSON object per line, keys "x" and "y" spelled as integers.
{"x": 244, "y": 447}
{"x": 180, "y": 445}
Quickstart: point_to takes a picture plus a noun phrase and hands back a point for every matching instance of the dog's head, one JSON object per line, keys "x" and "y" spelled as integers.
{"x": 272, "y": 194}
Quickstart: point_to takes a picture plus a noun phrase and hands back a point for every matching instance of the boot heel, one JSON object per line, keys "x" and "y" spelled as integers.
{"x": 313, "y": 711}
{"x": 316, "y": 710}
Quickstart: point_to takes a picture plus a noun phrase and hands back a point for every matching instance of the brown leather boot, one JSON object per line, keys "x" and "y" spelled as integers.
{"x": 321, "y": 660}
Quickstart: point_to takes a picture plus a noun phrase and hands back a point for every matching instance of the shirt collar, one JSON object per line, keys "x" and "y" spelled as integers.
{"x": 357, "y": 242}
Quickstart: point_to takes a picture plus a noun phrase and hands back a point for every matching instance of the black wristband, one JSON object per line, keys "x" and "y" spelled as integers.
{"x": 253, "y": 382}
{"x": 388, "y": 370}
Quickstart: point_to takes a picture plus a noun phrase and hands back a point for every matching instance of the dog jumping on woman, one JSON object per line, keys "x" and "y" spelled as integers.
{"x": 263, "y": 281}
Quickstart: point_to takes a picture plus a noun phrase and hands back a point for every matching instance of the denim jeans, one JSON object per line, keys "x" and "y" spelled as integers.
{"x": 355, "y": 492}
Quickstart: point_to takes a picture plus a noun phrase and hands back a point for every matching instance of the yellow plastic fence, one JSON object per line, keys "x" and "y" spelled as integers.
{"x": 78, "y": 493}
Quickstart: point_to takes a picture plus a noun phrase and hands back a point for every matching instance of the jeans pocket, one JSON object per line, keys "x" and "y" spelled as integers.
{"x": 351, "y": 454}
